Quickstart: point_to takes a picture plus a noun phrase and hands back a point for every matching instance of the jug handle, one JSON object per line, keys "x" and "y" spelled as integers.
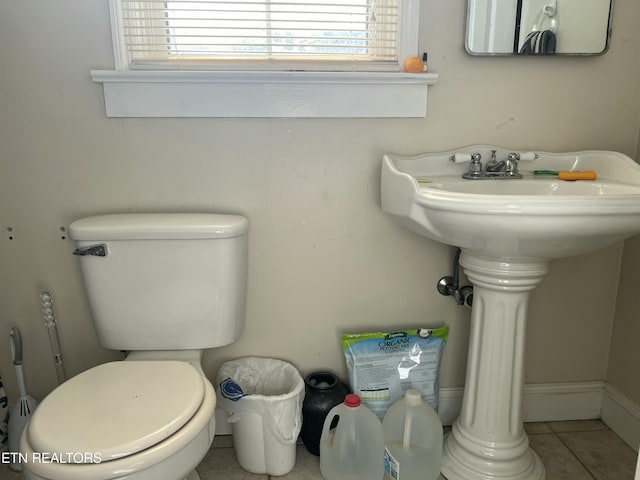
{"x": 335, "y": 411}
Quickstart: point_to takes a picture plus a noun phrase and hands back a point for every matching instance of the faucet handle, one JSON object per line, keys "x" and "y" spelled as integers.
{"x": 523, "y": 156}
{"x": 511, "y": 165}
{"x": 476, "y": 165}
{"x": 462, "y": 157}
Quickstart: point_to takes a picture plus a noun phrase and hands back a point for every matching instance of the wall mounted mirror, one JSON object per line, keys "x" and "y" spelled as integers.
{"x": 538, "y": 27}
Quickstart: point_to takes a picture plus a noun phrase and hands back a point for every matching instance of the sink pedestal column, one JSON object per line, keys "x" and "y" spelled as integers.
{"x": 488, "y": 441}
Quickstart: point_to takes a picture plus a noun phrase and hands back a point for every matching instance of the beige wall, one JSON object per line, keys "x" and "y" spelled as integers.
{"x": 323, "y": 259}
{"x": 625, "y": 354}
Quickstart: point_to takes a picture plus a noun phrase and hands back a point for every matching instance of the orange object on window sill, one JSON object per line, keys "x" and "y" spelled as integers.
{"x": 414, "y": 65}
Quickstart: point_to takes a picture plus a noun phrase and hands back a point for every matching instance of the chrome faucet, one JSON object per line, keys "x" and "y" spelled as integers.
{"x": 504, "y": 169}
{"x": 475, "y": 167}
{"x": 493, "y": 165}
{"x": 511, "y": 166}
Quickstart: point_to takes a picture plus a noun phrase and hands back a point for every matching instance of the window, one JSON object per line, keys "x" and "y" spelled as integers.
{"x": 273, "y": 34}
{"x": 216, "y": 56}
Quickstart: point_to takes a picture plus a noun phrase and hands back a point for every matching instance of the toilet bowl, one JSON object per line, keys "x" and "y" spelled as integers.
{"x": 163, "y": 287}
{"x": 134, "y": 420}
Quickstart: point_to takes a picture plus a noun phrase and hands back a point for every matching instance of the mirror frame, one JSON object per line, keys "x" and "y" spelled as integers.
{"x": 518, "y": 55}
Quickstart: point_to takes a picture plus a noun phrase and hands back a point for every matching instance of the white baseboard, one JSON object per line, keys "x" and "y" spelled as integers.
{"x": 450, "y": 404}
{"x": 553, "y": 402}
{"x": 545, "y": 402}
{"x": 621, "y": 415}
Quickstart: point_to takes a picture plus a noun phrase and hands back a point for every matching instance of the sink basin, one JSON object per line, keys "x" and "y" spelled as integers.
{"x": 536, "y": 217}
{"x": 508, "y": 231}
{"x": 528, "y": 186}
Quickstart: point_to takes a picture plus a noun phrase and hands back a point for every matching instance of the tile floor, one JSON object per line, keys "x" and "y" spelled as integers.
{"x": 574, "y": 450}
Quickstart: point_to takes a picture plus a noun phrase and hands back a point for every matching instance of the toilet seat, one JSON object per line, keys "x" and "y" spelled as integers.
{"x": 116, "y": 410}
{"x": 173, "y": 458}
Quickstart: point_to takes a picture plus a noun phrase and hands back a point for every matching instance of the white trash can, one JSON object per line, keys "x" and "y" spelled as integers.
{"x": 263, "y": 397}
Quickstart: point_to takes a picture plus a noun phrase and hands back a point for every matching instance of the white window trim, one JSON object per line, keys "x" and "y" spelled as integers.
{"x": 262, "y": 94}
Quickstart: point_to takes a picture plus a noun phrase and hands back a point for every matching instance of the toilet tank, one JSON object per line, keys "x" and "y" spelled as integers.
{"x": 164, "y": 281}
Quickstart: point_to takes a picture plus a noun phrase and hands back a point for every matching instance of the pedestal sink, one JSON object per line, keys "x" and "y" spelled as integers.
{"x": 508, "y": 230}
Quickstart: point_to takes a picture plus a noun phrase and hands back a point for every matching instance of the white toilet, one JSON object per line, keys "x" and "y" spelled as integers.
{"x": 162, "y": 287}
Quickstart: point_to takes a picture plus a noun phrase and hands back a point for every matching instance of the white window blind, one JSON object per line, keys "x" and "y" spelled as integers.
{"x": 341, "y": 35}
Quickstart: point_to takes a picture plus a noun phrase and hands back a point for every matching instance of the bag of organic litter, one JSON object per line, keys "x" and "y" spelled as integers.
{"x": 383, "y": 366}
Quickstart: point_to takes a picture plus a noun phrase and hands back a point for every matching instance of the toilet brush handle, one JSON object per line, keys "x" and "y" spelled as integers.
{"x": 15, "y": 341}
{"x": 22, "y": 388}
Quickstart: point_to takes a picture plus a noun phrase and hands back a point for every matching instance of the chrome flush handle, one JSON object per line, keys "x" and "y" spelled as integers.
{"x": 91, "y": 250}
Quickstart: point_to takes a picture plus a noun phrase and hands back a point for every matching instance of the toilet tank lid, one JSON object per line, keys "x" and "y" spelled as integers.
{"x": 158, "y": 226}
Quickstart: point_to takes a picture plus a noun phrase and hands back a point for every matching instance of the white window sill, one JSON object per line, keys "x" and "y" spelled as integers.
{"x": 264, "y": 94}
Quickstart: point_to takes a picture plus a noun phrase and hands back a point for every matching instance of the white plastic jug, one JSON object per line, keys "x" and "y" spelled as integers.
{"x": 354, "y": 449}
{"x": 413, "y": 439}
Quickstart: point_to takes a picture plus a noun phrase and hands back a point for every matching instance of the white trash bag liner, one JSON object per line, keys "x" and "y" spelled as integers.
{"x": 263, "y": 397}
